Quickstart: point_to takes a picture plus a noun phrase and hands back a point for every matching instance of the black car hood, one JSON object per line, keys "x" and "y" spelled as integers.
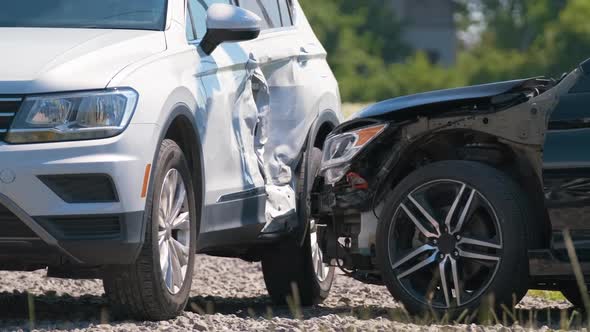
{"x": 449, "y": 96}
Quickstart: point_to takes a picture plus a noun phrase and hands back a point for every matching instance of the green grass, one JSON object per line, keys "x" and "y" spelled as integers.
{"x": 547, "y": 295}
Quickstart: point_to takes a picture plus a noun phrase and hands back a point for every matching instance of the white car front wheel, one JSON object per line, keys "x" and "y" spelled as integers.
{"x": 157, "y": 285}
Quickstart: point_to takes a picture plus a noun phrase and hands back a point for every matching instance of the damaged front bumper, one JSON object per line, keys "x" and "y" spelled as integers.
{"x": 504, "y": 124}
{"x": 517, "y": 119}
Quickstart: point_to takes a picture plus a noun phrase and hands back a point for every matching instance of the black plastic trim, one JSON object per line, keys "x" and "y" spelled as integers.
{"x": 100, "y": 249}
{"x": 83, "y": 227}
{"x": 12, "y": 228}
{"x": 214, "y": 37}
{"x": 107, "y": 195}
{"x": 7, "y": 105}
{"x": 304, "y": 203}
{"x": 240, "y": 222}
{"x": 231, "y": 241}
{"x": 34, "y": 226}
{"x": 242, "y": 195}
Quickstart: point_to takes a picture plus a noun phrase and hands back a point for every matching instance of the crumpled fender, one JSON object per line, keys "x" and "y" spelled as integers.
{"x": 304, "y": 208}
{"x": 418, "y": 102}
{"x": 523, "y": 127}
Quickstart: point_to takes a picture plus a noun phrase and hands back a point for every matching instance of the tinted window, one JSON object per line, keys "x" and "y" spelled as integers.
{"x": 285, "y": 13}
{"x": 108, "y": 14}
{"x": 273, "y": 12}
{"x": 198, "y": 12}
{"x": 257, "y": 8}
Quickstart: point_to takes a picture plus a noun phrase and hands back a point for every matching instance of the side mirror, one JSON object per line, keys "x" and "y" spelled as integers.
{"x": 229, "y": 23}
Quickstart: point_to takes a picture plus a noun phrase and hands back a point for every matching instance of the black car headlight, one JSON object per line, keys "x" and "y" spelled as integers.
{"x": 73, "y": 116}
{"x": 340, "y": 149}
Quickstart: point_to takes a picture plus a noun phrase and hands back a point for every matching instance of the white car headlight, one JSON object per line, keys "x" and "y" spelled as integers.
{"x": 340, "y": 149}
{"x": 75, "y": 116}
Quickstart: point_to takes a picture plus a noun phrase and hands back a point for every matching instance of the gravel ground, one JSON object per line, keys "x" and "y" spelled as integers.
{"x": 229, "y": 294}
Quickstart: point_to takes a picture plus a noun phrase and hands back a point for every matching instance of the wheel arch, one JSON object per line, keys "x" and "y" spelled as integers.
{"x": 323, "y": 125}
{"x": 319, "y": 131}
{"x": 484, "y": 148}
{"x": 180, "y": 126}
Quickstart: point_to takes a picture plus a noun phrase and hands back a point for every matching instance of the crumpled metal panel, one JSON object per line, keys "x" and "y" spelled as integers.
{"x": 245, "y": 118}
{"x": 292, "y": 85}
{"x": 264, "y": 164}
{"x": 441, "y": 96}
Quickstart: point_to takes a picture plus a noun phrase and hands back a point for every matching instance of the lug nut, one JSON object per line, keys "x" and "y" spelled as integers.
{"x": 441, "y": 256}
{"x": 435, "y": 241}
{"x": 458, "y": 237}
{"x": 456, "y": 253}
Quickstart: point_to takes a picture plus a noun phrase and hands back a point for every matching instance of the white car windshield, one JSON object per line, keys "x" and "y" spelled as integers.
{"x": 96, "y": 14}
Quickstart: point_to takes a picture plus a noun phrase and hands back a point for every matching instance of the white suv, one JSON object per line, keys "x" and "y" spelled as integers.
{"x": 136, "y": 133}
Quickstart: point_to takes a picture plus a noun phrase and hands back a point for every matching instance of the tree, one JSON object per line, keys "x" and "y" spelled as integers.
{"x": 518, "y": 38}
{"x": 510, "y": 24}
{"x": 566, "y": 42}
{"x": 362, "y": 40}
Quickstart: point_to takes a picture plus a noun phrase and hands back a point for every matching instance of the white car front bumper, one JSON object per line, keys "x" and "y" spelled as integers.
{"x": 95, "y": 232}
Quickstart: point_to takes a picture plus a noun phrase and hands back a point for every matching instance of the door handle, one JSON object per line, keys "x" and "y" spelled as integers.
{"x": 303, "y": 56}
{"x": 251, "y": 64}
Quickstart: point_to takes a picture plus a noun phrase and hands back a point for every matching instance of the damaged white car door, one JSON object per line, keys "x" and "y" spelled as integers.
{"x": 246, "y": 184}
{"x": 279, "y": 116}
{"x": 260, "y": 102}
{"x": 234, "y": 186}
{"x": 291, "y": 78}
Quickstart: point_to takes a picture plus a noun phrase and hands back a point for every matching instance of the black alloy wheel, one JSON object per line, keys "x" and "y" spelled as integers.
{"x": 452, "y": 234}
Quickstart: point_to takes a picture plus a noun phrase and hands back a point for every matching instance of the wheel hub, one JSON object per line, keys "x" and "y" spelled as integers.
{"x": 173, "y": 217}
{"x": 436, "y": 238}
{"x": 447, "y": 244}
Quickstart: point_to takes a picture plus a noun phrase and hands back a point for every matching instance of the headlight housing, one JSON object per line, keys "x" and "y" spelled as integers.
{"x": 73, "y": 116}
{"x": 340, "y": 149}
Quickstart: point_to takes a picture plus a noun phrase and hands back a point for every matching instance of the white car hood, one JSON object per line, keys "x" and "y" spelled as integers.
{"x": 40, "y": 60}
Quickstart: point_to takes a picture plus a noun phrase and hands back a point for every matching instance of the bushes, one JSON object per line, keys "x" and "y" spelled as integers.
{"x": 521, "y": 38}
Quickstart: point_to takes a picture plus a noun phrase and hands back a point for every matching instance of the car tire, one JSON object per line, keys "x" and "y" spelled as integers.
{"x": 157, "y": 286}
{"x": 476, "y": 274}
{"x": 289, "y": 270}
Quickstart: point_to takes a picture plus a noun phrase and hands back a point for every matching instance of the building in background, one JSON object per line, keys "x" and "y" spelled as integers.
{"x": 429, "y": 26}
